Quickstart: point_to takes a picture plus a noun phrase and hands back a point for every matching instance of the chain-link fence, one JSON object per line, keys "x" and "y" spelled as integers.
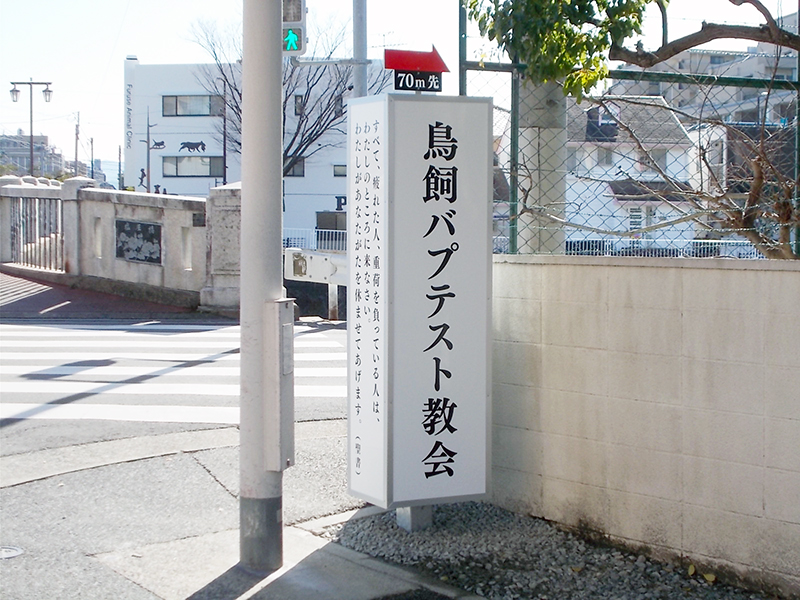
{"x": 660, "y": 165}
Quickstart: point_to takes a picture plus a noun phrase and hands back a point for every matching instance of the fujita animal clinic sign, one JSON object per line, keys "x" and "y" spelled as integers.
{"x": 419, "y": 298}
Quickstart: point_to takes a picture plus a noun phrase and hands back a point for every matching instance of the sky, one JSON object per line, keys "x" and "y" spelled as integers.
{"x": 80, "y": 46}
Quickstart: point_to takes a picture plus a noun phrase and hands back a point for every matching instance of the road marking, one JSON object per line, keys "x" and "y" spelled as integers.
{"x": 71, "y": 388}
{"x": 223, "y": 415}
{"x": 179, "y": 357}
{"x": 150, "y": 343}
{"x": 37, "y": 373}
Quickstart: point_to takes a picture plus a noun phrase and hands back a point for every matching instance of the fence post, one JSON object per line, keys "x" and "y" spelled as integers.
{"x": 543, "y": 140}
{"x": 71, "y": 222}
{"x": 5, "y": 218}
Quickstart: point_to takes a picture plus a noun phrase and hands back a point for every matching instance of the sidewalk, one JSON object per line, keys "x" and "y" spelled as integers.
{"x": 156, "y": 517}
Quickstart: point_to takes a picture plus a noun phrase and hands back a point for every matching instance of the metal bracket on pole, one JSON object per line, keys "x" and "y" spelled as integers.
{"x": 326, "y": 62}
{"x": 279, "y": 441}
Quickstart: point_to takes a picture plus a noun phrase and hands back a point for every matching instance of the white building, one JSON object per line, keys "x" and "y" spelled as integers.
{"x": 185, "y": 149}
{"x": 621, "y": 194}
{"x": 184, "y": 155}
{"x": 614, "y": 184}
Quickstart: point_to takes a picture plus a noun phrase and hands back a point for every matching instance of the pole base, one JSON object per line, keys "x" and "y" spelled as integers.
{"x": 260, "y": 535}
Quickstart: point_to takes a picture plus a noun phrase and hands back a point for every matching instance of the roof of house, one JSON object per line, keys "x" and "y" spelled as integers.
{"x": 629, "y": 190}
{"x": 649, "y": 117}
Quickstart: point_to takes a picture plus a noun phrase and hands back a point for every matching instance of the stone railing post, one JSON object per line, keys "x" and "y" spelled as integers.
{"x": 223, "y": 227}
{"x": 5, "y": 217}
{"x": 71, "y": 225}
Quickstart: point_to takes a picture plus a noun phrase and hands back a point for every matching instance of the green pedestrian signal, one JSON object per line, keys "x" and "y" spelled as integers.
{"x": 293, "y": 41}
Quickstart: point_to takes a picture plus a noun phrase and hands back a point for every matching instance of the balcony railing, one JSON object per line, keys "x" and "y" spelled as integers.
{"x": 327, "y": 240}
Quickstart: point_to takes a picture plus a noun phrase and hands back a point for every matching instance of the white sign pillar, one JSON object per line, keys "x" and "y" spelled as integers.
{"x": 419, "y": 299}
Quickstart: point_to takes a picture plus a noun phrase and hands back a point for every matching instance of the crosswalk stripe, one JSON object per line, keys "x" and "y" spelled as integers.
{"x": 70, "y": 388}
{"x": 122, "y": 412}
{"x": 38, "y": 373}
{"x": 150, "y": 356}
{"x": 150, "y": 327}
{"x": 149, "y": 343}
{"x": 150, "y": 372}
{"x": 45, "y": 332}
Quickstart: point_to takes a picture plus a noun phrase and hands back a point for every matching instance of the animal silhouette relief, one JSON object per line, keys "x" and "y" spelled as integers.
{"x": 193, "y": 146}
{"x": 157, "y": 145}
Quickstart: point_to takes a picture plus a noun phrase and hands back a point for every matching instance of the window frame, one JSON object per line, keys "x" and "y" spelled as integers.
{"x": 214, "y": 105}
{"x": 213, "y": 161}
{"x": 298, "y": 169}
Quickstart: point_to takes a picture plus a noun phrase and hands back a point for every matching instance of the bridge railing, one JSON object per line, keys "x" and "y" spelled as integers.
{"x": 151, "y": 246}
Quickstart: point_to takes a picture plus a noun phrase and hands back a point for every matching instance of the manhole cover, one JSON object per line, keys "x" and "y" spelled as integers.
{"x": 10, "y": 551}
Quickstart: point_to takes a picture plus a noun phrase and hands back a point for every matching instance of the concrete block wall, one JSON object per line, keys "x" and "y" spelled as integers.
{"x": 656, "y": 401}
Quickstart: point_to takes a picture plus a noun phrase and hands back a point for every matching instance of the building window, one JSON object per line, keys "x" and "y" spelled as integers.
{"x": 298, "y": 104}
{"x": 192, "y": 166}
{"x": 191, "y": 106}
{"x": 298, "y": 169}
{"x": 340, "y": 170}
{"x": 652, "y": 158}
{"x": 605, "y": 157}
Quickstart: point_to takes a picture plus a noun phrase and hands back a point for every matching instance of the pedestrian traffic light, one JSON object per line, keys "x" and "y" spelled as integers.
{"x": 293, "y": 37}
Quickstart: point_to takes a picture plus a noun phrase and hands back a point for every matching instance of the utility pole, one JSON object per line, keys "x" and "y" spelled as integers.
{"x": 266, "y": 371}
{"x": 147, "y": 141}
{"x": 148, "y": 149}
{"x": 91, "y": 155}
{"x": 77, "y": 135}
{"x": 360, "y": 48}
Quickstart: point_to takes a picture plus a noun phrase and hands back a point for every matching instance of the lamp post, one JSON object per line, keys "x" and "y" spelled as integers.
{"x": 46, "y": 92}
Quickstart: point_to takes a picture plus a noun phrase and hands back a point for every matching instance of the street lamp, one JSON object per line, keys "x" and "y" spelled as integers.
{"x": 46, "y": 92}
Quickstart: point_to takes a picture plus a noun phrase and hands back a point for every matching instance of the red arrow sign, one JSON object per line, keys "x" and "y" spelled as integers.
{"x": 405, "y": 60}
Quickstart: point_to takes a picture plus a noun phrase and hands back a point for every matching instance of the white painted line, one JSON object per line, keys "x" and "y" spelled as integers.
{"x": 47, "y": 332}
{"x": 123, "y": 412}
{"x": 154, "y": 327}
{"x": 55, "y": 307}
{"x": 175, "y": 357}
{"x": 70, "y": 388}
{"x": 320, "y": 356}
{"x": 73, "y": 357}
{"x": 43, "y": 372}
{"x": 320, "y": 391}
{"x": 320, "y": 371}
{"x": 121, "y": 343}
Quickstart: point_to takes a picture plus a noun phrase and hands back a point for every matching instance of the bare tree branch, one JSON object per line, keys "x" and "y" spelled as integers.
{"x": 708, "y": 33}
{"x": 314, "y": 96}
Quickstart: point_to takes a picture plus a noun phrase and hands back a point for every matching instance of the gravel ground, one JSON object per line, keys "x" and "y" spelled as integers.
{"x": 493, "y": 553}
